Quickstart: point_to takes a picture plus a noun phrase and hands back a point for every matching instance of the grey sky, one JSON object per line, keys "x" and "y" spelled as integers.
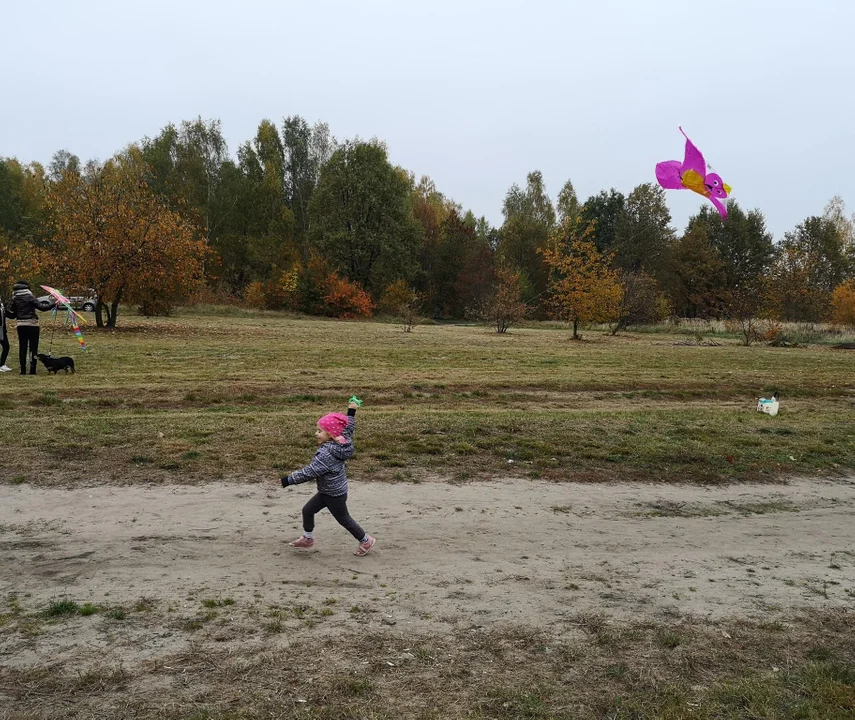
{"x": 473, "y": 93}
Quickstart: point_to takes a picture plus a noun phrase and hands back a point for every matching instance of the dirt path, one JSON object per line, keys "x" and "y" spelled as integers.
{"x": 525, "y": 551}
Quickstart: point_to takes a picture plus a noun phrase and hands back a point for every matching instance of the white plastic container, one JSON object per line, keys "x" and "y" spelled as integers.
{"x": 768, "y": 406}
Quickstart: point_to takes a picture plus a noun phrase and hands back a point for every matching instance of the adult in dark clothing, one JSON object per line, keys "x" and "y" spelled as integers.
{"x": 23, "y": 308}
{"x": 4, "y": 339}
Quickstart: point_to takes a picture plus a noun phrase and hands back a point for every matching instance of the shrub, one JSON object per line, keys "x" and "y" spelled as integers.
{"x": 345, "y": 299}
{"x": 401, "y": 301}
{"x": 254, "y": 295}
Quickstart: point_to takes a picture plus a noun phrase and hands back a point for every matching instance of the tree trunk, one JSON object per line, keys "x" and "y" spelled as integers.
{"x": 111, "y": 315}
{"x": 114, "y": 309}
{"x": 111, "y": 311}
{"x": 575, "y": 329}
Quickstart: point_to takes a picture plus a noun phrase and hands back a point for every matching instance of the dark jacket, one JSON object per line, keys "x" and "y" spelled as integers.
{"x": 24, "y": 304}
{"x": 2, "y": 320}
{"x": 328, "y": 465}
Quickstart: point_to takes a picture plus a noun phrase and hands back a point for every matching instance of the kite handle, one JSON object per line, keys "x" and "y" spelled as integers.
{"x": 356, "y": 400}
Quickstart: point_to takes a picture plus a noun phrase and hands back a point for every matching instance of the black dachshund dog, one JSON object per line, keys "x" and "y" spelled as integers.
{"x": 54, "y": 365}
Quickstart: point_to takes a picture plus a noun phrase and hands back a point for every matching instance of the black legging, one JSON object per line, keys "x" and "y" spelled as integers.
{"x": 338, "y": 507}
{"x": 4, "y": 349}
{"x": 28, "y": 335}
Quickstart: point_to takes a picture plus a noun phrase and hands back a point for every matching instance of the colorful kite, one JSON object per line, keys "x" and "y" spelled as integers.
{"x": 76, "y": 328}
{"x": 72, "y": 314}
{"x": 691, "y": 174}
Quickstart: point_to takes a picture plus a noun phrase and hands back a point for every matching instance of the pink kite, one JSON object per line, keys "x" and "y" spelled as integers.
{"x": 691, "y": 174}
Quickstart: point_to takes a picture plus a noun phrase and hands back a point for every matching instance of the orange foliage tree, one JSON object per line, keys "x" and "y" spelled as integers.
{"x": 312, "y": 288}
{"x": 583, "y": 285}
{"x": 112, "y": 234}
{"x": 843, "y": 304}
{"x": 346, "y": 299}
{"x": 254, "y": 295}
{"x": 17, "y": 260}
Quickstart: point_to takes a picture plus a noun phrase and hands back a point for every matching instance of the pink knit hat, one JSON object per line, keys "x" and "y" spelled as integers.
{"x": 334, "y": 424}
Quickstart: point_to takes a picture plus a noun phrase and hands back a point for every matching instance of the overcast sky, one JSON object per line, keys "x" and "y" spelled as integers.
{"x": 473, "y": 93}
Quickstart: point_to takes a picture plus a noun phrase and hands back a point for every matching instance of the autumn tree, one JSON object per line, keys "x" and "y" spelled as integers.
{"x": 430, "y": 209}
{"x": 749, "y": 306}
{"x": 529, "y": 219}
{"x": 62, "y": 162}
{"x": 813, "y": 262}
{"x": 602, "y": 213}
{"x": 361, "y": 217}
{"x": 454, "y": 254}
{"x": 240, "y": 205}
{"x": 190, "y": 170}
{"x": 843, "y": 304}
{"x": 568, "y": 206}
{"x": 640, "y": 301}
{"x": 403, "y": 302}
{"x": 795, "y": 297}
{"x": 113, "y": 234}
{"x": 695, "y": 278}
{"x": 184, "y": 165}
{"x": 306, "y": 150}
{"x": 835, "y": 212}
{"x": 200, "y": 152}
{"x": 584, "y": 287}
{"x": 477, "y": 276}
{"x": 746, "y": 251}
{"x": 643, "y": 234}
{"x": 345, "y": 299}
{"x": 262, "y": 213}
{"x": 506, "y": 306}
{"x": 22, "y": 221}
{"x": 23, "y": 201}
{"x": 17, "y": 260}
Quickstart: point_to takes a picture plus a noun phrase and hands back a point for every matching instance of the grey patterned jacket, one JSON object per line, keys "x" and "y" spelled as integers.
{"x": 328, "y": 465}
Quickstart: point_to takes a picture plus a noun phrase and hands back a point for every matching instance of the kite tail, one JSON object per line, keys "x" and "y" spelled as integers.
{"x": 76, "y": 328}
{"x": 720, "y": 206}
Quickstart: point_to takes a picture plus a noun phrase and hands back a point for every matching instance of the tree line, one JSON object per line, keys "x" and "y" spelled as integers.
{"x": 296, "y": 219}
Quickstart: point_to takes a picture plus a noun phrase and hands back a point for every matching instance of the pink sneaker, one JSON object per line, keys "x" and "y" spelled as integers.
{"x": 302, "y": 542}
{"x": 365, "y": 547}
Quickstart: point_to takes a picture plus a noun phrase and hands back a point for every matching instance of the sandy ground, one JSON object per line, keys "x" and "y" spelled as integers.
{"x": 450, "y": 560}
{"x": 525, "y": 551}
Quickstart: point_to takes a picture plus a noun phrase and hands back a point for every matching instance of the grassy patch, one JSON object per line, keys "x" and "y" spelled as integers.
{"x": 195, "y": 394}
{"x": 669, "y": 508}
{"x": 62, "y": 608}
{"x": 599, "y": 667}
{"x": 217, "y": 602}
{"x": 116, "y": 613}
{"x": 763, "y": 507}
{"x": 145, "y": 605}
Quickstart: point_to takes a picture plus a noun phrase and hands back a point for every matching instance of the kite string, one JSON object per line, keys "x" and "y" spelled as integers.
{"x": 52, "y": 333}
